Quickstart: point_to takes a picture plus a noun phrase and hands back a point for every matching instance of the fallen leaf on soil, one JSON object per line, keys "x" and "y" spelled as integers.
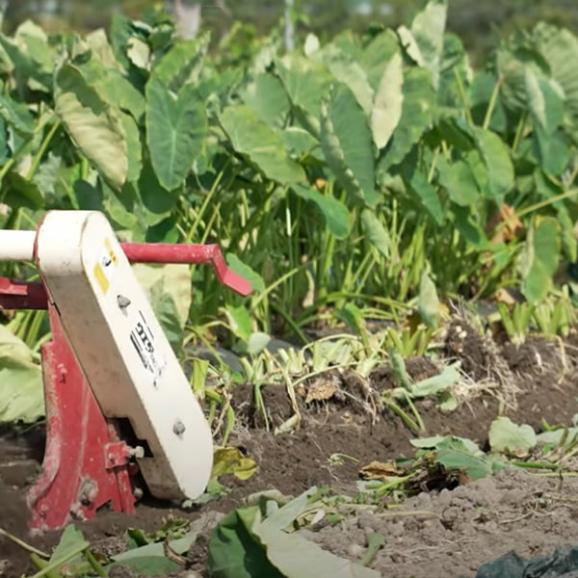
{"x": 379, "y": 471}
{"x": 322, "y": 389}
{"x": 233, "y": 461}
{"x": 510, "y": 438}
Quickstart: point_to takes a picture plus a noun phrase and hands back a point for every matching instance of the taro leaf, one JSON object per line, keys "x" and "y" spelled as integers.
{"x": 496, "y": 157}
{"x": 22, "y": 393}
{"x": 426, "y": 193}
{"x": 453, "y": 454}
{"x": 234, "y": 552}
{"x": 176, "y": 129}
{"x": 102, "y": 50}
{"x": 20, "y": 192}
{"x": 545, "y": 102}
{"x": 134, "y": 147}
{"x": 510, "y": 438}
{"x": 252, "y": 137}
{"x": 232, "y": 461}
{"x": 296, "y": 557}
{"x": 459, "y": 181}
{"x": 258, "y": 342}
{"x": 435, "y": 442}
{"x": 428, "y": 30}
{"x": 559, "y": 48}
{"x": 376, "y": 233}
{"x": 306, "y": 83}
{"x": 428, "y": 302}
{"x": 416, "y": 116}
{"x": 169, "y": 290}
{"x": 347, "y": 71}
{"x": 335, "y": 213}
{"x": 564, "y": 437}
{"x": 16, "y": 115}
{"x": 299, "y": 141}
{"x": 410, "y": 45}
{"x": 540, "y": 259}
{"x": 240, "y": 322}
{"x": 245, "y": 271}
{"x": 67, "y": 554}
{"x": 387, "y": 106}
{"x": 347, "y": 144}
{"x": 150, "y": 559}
{"x": 436, "y": 384}
{"x": 117, "y": 90}
{"x": 547, "y": 108}
{"x": 93, "y": 125}
{"x": 182, "y": 65}
{"x": 149, "y": 565}
{"x": 268, "y": 98}
{"x": 378, "y": 55}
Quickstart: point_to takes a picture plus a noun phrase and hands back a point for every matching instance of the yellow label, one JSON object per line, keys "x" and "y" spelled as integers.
{"x": 101, "y": 278}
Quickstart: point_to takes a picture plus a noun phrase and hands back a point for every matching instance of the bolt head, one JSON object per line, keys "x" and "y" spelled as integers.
{"x": 179, "y": 428}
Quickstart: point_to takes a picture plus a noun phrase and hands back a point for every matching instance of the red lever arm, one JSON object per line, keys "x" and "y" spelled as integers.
{"x": 20, "y": 295}
{"x": 189, "y": 254}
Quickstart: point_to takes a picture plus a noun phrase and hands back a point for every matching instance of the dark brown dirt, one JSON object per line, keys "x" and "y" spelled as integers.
{"x": 338, "y": 436}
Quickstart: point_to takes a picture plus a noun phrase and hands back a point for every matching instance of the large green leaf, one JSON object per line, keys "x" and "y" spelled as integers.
{"x": 349, "y": 72}
{"x": 176, "y": 130}
{"x": 182, "y": 65}
{"x": 387, "y": 107}
{"x": 347, "y": 144}
{"x": 559, "y": 48}
{"x": 244, "y": 545}
{"x": 496, "y": 156}
{"x": 425, "y": 192}
{"x": 428, "y": 30}
{"x": 376, "y": 233}
{"x": 252, "y": 137}
{"x": 417, "y": 116}
{"x": 377, "y": 55}
{"x": 540, "y": 259}
{"x": 21, "y": 393}
{"x": 454, "y": 454}
{"x": 334, "y": 212}
{"x": 93, "y": 125}
{"x": 459, "y": 181}
{"x": 268, "y": 98}
{"x": 307, "y": 83}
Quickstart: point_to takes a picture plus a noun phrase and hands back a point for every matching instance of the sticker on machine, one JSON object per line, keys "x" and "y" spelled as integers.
{"x": 105, "y": 267}
{"x": 143, "y": 341}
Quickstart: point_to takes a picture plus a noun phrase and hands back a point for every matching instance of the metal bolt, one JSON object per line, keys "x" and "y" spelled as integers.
{"x": 179, "y": 428}
{"x": 122, "y": 301}
{"x": 137, "y": 453}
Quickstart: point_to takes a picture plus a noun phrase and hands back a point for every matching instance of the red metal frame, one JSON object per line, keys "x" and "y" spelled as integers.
{"x": 86, "y": 464}
{"x": 78, "y": 477}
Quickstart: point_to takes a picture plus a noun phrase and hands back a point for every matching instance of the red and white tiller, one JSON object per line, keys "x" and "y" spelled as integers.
{"x": 118, "y": 404}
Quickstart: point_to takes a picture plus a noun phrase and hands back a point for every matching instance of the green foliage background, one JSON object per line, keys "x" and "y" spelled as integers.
{"x": 478, "y": 22}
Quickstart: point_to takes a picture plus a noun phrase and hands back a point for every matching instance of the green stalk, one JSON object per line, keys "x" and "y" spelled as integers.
{"x": 492, "y": 104}
{"x": 40, "y": 152}
{"x": 462, "y": 91}
{"x": 56, "y": 564}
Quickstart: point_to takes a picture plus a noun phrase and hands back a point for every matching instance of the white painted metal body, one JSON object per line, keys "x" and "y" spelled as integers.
{"x": 17, "y": 245}
{"x": 123, "y": 351}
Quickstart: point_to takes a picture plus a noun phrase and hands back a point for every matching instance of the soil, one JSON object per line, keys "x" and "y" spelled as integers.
{"x": 453, "y": 533}
{"x": 343, "y": 428}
